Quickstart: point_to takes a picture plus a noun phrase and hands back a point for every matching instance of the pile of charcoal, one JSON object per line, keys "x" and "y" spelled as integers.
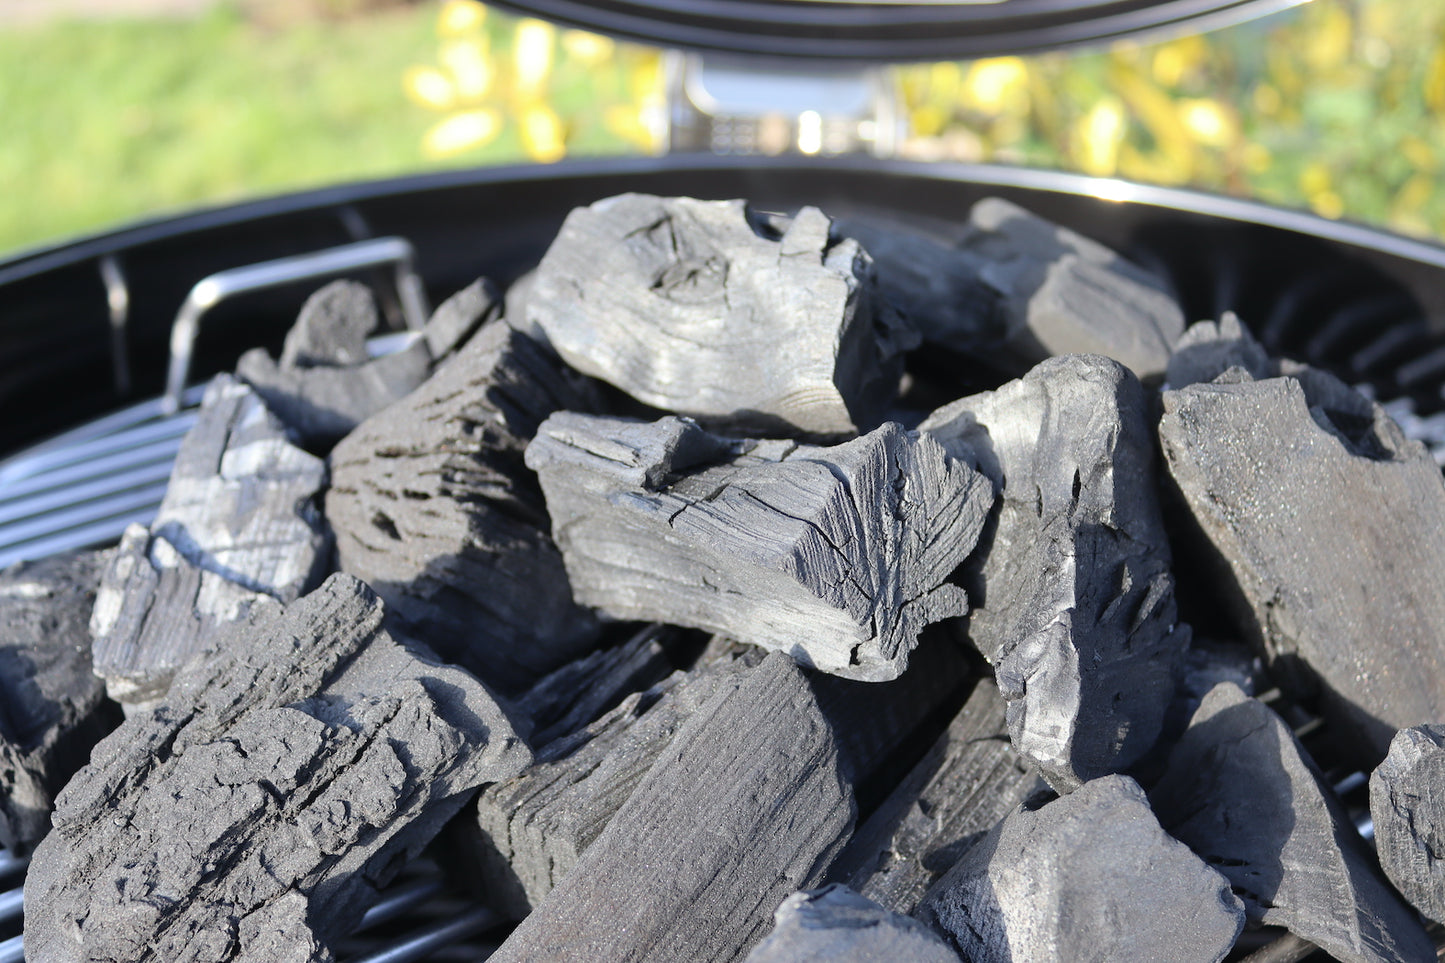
{"x": 678, "y": 605}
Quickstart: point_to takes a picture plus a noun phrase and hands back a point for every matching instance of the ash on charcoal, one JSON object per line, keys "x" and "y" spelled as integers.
{"x": 431, "y": 506}
{"x": 238, "y": 529}
{"x": 1072, "y": 592}
{"x": 700, "y": 307}
{"x": 836, "y": 925}
{"x": 836, "y": 556}
{"x": 52, "y": 708}
{"x": 1089, "y": 876}
{"x": 969, "y": 780}
{"x": 290, "y": 771}
{"x": 1330, "y": 527}
{"x": 746, "y": 804}
{"x": 325, "y": 382}
{"x": 1407, "y": 804}
{"x": 1016, "y": 289}
{"x": 1242, "y": 793}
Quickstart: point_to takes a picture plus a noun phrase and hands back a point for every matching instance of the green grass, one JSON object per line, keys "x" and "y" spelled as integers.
{"x": 104, "y": 122}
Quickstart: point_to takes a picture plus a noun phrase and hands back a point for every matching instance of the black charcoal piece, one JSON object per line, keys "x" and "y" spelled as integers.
{"x": 290, "y": 771}
{"x": 1088, "y": 876}
{"x": 52, "y": 708}
{"x": 1017, "y": 289}
{"x": 746, "y": 805}
{"x": 1330, "y": 527}
{"x": 700, "y": 308}
{"x": 1407, "y": 804}
{"x": 432, "y": 507}
{"x": 535, "y": 827}
{"x": 238, "y": 528}
{"x": 1072, "y": 592}
{"x": 332, "y": 327}
{"x": 1242, "y": 794}
{"x": 969, "y": 780}
{"x": 836, "y": 556}
{"x": 836, "y": 925}
{"x": 1210, "y": 348}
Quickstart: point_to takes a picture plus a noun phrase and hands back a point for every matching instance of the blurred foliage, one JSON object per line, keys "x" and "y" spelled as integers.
{"x": 495, "y": 72}
{"x": 1338, "y": 106}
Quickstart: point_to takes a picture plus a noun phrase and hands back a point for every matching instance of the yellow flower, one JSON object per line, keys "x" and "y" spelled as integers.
{"x": 998, "y": 84}
{"x": 460, "y": 17}
{"x": 1210, "y": 123}
{"x": 1175, "y": 60}
{"x": 588, "y": 48}
{"x": 542, "y": 135}
{"x": 462, "y": 131}
{"x": 532, "y": 56}
{"x": 429, "y": 87}
{"x": 927, "y": 120}
{"x": 470, "y": 67}
{"x": 1100, "y": 133}
{"x": 1328, "y": 204}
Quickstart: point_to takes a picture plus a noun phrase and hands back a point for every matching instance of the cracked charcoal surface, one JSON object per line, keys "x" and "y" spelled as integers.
{"x": 535, "y": 826}
{"x": 52, "y": 708}
{"x": 1072, "y": 592}
{"x": 433, "y": 508}
{"x": 969, "y": 780}
{"x": 1088, "y": 876}
{"x": 1407, "y": 804}
{"x": 835, "y": 555}
{"x": 836, "y": 925}
{"x": 1332, "y": 527}
{"x": 1242, "y": 794}
{"x": 325, "y": 383}
{"x": 700, "y": 308}
{"x": 238, "y": 528}
{"x": 288, "y": 773}
{"x": 746, "y": 805}
{"x": 1017, "y": 289}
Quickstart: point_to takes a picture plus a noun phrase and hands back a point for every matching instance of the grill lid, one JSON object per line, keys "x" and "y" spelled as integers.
{"x": 889, "y": 30}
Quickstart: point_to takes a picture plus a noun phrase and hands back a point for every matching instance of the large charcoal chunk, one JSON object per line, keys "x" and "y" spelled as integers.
{"x": 1242, "y": 794}
{"x": 432, "y": 507}
{"x": 1089, "y": 876}
{"x": 1332, "y": 526}
{"x": 836, "y": 925}
{"x": 746, "y": 805}
{"x": 52, "y": 708}
{"x": 1407, "y": 804}
{"x": 238, "y": 528}
{"x": 837, "y": 556}
{"x": 535, "y": 827}
{"x": 699, "y": 308}
{"x": 969, "y": 780}
{"x": 1017, "y": 289}
{"x": 1074, "y": 600}
{"x": 290, "y": 771}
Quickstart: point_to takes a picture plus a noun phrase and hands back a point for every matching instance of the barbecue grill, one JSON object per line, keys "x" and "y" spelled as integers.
{"x": 105, "y": 343}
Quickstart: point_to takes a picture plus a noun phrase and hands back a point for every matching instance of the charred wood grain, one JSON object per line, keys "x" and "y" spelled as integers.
{"x": 1407, "y": 805}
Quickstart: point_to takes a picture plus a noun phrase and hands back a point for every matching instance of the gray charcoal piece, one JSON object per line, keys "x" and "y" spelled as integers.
{"x": 969, "y": 780}
{"x": 1210, "y": 348}
{"x": 1407, "y": 804}
{"x": 700, "y": 308}
{"x": 52, "y": 708}
{"x": 836, "y": 925}
{"x": 1072, "y": 591}
{"x": 1330, "y": 528}
{"x": 1087, "y": 877}
{"x": 291, "y": 771}
{"x": 432, "y": 507}
{"x": 837, "y": 556}
{"x": 1241, "y": 792}
{"x": 747, "y": 804}
{"x": 238, "y": 528}
{"x": 332, "y": 327}
{"x": 535, "y": 827}
{"x": 1016, "y": 289}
